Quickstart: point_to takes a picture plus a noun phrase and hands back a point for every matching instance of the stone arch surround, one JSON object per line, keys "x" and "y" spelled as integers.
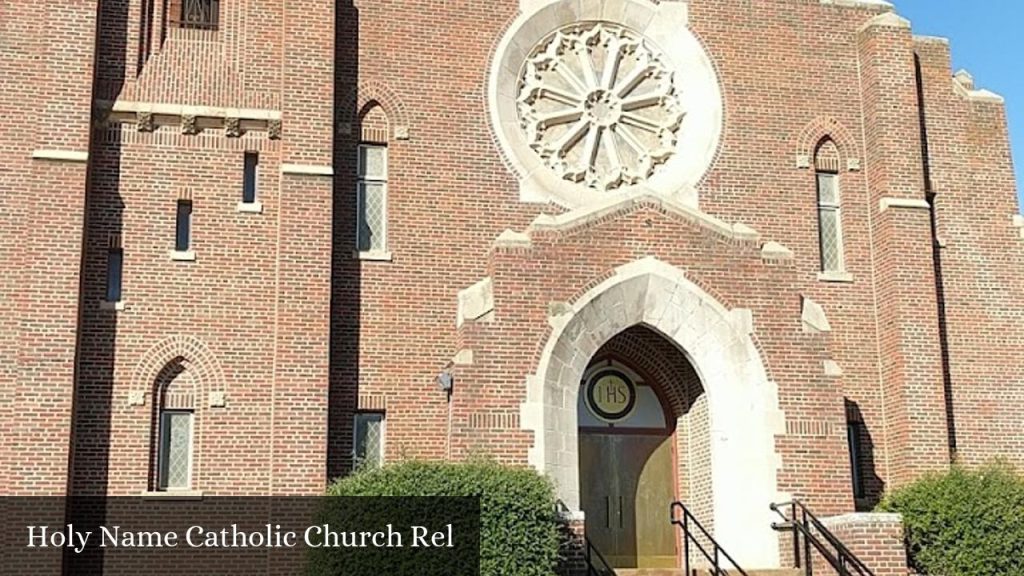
{"x": 742, "y": 400}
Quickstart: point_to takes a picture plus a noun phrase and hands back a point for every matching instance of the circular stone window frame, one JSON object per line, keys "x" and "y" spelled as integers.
{"x": 665, "y": 27}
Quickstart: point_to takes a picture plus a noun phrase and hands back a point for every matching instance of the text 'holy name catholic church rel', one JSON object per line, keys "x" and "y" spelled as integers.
{"x": 723, "y": 252}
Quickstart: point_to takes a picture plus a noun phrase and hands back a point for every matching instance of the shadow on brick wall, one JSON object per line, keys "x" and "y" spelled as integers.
{"x": 346, "y": 285}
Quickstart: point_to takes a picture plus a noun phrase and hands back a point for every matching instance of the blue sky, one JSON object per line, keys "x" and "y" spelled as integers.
{"x": 987, "y": 39}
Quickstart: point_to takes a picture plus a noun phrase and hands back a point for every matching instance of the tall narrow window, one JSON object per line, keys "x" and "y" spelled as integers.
{"x": 115, "y": 266}
{"x": 371, "y": 195}
{"x": 368, "y": 446}
{"x": 853, "y": 440}
{"x": 830, "y": 234}
{"x": 175, "y": 450}
{"x": 183, "y": 235}
{"x": 197, "y": 14}
{"x": 250, "y": 178}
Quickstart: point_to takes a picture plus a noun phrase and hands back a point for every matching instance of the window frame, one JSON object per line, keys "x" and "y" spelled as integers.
{"x": 836, "y": 208}
{"x": 356, "y": 463}
{"x": 361, "y": 180}
{"x": 111, "y": 252}
{"x": 163, "y": 452}
{"x": 251, "y": 165}
{"x": 189, "y": 207}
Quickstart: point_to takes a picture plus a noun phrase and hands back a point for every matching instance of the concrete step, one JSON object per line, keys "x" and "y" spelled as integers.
{"x": 700, "y": 572}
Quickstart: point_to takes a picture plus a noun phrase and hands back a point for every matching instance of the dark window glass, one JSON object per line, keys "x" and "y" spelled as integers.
{"x": 183, "y": 239}
{"x": 853, "y": 439}
{"x": 249, "y": 181}
{"x": 115, "y": 262}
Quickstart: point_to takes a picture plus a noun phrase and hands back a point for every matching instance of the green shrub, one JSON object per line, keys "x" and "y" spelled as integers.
{"x": 518, "y": 522}
{"x": 964, "y": 522}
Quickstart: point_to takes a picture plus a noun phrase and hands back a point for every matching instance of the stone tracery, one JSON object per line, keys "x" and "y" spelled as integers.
{"x": 598, "y": 105}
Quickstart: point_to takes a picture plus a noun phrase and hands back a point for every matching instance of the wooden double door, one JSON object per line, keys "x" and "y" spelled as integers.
{"x": 627, "y": 483}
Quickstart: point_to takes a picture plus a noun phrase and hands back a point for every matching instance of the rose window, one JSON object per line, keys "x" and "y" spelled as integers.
{"x": 599, "y": 106}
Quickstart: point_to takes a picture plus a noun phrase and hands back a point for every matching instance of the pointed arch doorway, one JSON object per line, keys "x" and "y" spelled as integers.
{"x": 638, "y": 402}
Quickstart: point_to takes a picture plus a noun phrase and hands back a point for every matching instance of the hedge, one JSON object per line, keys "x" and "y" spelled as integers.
{"x": 964, "y": 522}
{"x": 518, "y": 522}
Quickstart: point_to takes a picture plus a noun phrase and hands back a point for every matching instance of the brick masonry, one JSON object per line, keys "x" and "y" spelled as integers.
{"x": 277, "y": 316}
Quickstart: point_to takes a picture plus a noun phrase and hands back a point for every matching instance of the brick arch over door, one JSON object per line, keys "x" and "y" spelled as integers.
{"x": 742, "y": 401}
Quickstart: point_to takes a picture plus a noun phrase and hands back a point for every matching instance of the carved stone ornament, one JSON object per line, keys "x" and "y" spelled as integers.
{"x": 144, "y": 121}
{"x": 274, "y": 129}
{"x": 597, "y": 103}
{"x": 232, "y": 127}
{"x": 188, "y": 125}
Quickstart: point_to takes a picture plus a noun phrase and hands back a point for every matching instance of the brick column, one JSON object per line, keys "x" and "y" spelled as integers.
{"x": 299, "y": 455}
{"x": 901, "y": 238}
{"x": 50, "y": 55}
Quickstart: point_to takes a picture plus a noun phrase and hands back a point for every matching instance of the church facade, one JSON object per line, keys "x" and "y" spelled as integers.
{"x": 723, "y": 252}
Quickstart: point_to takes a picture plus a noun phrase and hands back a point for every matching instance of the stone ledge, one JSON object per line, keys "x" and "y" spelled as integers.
{"x": 912, "y": 203}
{"x": 372, "y": 256}
{"x": 60, "y": 155}
{"x": 836, "y": 277}
{"x": 172, "y": 495}
{"x": 115, "y": 306}
{"x": 193, "y": 119}
{"x": 307, "y": 170}
{"x": 861, "y": 519}
{"x": 775, "y": 251}
{"x": 183, "y": 256}
{"x": 250, "y": 207}
{"x": 1018, "y": 222}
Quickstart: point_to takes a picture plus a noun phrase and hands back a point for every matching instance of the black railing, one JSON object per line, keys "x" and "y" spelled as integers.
{"x": 596, "y": 564}
{"x": 198, "y": 14}
{"x": 809, "y": 532}
{"x": 687, "y": 522}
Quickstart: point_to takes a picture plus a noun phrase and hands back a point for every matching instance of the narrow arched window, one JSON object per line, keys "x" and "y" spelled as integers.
{"x": 175, "y": 428}
{"x": 372, "y": 183}
{"x": 830, "y": 229}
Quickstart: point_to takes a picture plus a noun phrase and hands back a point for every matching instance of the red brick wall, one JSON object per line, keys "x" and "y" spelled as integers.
{"x": 875, "y": 539}
{"x": 971, "y": 175}
{"x": 304, "y": 334}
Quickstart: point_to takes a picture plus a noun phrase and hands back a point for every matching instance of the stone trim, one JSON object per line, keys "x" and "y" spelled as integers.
{"x": 115, "y": 306}
{"x": 186, "y": 256}
{"x": 250, "y": 207}
{"x": 148, "y": 116}
{"x": 1018, "y": 223}
{"x": 372, "y": 256}
{"x": 742, "y": 399}
{"x": 475, "y": 302}
{"x": 912, "y": 203}
{"x": 831, "y": 368}
{"x": 307, "y": 170}
{"x": 775, "y": 251}
{"x": 813, "y": 317}
{"x": 864, "y": 4}
{"x": 887, "y": 20}
{"x": 836, "y": 277}
{"x": 627, "y": 202}
{"x": 60, "y": 155}
{"x": 861, "y": 519}
{"x": 169, "y": 495}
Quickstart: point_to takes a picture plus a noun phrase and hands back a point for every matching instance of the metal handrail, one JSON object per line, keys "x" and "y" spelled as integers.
{"x": 842, "y": 560}
{"x": 604, "y": 569}
{"x": 717, "y": 552}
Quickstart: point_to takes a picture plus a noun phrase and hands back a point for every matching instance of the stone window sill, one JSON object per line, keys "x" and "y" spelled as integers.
{"x": 250, "y": 207}
{"x": 186, "y": 256}
{"x": 117, "y": 306}
{"x": 373, "y": 256}
{"x": 840, "y": 277}
{"x": 172, "y": 495}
